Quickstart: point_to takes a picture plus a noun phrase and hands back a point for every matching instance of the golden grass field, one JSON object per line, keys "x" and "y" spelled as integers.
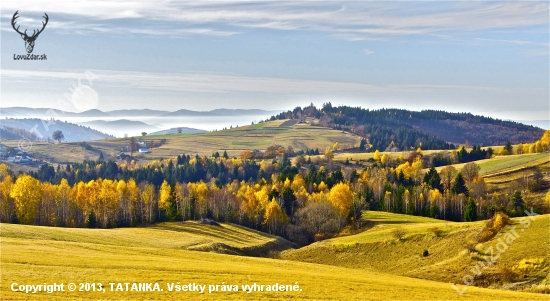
{"x": 376, "y": 249}
{"x": 507, "y": 164}
{"x": 160, "y": 254}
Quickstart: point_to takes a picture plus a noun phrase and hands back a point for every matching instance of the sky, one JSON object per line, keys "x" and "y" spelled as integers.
{"x": 489, "y": 58}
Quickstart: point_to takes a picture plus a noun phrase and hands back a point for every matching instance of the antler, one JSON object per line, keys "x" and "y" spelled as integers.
{"x": 13, "y": 24}
{"x": 43, "y": 25}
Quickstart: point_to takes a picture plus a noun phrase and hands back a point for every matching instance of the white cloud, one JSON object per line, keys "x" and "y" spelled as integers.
{"x": 217, "y": 83}
{"x": 368, "y": 51}
{"x": 348, "y": 20}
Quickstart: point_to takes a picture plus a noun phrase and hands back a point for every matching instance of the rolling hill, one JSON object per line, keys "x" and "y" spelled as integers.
{"x": 32, "y": 254}
{"x": 234, "y": 141}
{"x": 71, "y": 131}
{"x": 403, "y": 129}
{"x": 448, "y": 260}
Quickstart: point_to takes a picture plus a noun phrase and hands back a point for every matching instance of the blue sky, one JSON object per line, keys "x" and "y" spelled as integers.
{"x": 488, "y": 58}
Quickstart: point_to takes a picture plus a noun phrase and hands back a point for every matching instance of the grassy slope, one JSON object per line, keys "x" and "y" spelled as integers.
{"x": 226, "y": 238}
{"x": 34, "y": 255}
{"x": 501, "y": 165}
{"x": 258, "y": 136}
{"x": 376, "y": 249}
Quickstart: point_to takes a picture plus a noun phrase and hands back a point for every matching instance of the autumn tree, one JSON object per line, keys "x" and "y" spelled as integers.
{"x": 412, "y": 170}
{"x": 47, "y": 205}
{"x": 447, "y": 174}
{"x": 470, "y": 171}
{"x": 376, "y": 155}
{"x": 27, "y": 193}
{"x": 275, "y": 218}
{"x": 133, "y": 146}
{"x": 165, "y": 201}
{"x": 199, "y": 192}
{"x": 329, "y": 155}
{"x": 130, "y": 210}
{"x": 341, "y": 197}
{"x": 320, "y": 219}
{"x": 7, "y": 205}
{"x": 246, "y": 154}
{"x": 147, "y": 204}
{"x": 108, "y": 199}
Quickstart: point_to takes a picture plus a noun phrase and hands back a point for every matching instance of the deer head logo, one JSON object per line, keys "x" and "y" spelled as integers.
{"x": 29, "y": 41}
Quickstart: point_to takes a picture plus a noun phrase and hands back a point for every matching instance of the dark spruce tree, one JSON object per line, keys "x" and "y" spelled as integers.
{"x": 517, "y": 201}
{"x": 470, "y": 213}
{"x": 433, "y": 179}
{"x": 459, "y": 186}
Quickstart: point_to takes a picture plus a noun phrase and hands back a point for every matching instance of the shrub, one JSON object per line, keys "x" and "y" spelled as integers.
{"x": 436, "y": 231}
{"x": 486, "y": 234}
{"x": 320, "y": 219}
{"x": 398, "y": 233}
{"x": 507, "y": 275}
{"x": 208, "y": 221}
{"x": 298, "y": 235}
{"x": 85, "y": 145}
{"x": 425, "y": 253}
{"x": 493, "y": 226}
{"x": 500, "y": 220}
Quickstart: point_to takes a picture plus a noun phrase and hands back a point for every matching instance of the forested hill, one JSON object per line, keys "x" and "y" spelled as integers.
{"x": 410, "y": 128}
{"x": 43, "y": 129}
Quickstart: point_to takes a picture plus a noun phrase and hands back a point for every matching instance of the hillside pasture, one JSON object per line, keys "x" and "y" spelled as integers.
{"x": 234, "y": 141}
{"x": 81, "y": 255}
{"x": 448, "y": 260}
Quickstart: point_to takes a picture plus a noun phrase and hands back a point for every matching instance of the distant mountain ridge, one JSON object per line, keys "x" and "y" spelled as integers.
{"x": 22, "y": 112}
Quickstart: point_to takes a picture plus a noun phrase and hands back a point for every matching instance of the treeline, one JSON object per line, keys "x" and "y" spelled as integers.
{"x": 410, "y": 128}
{"x": 8, "y": 132}
{"x": 302, "y": 204}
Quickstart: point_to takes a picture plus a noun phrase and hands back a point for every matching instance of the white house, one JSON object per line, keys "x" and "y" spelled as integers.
{"x": 143, "y": 150}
